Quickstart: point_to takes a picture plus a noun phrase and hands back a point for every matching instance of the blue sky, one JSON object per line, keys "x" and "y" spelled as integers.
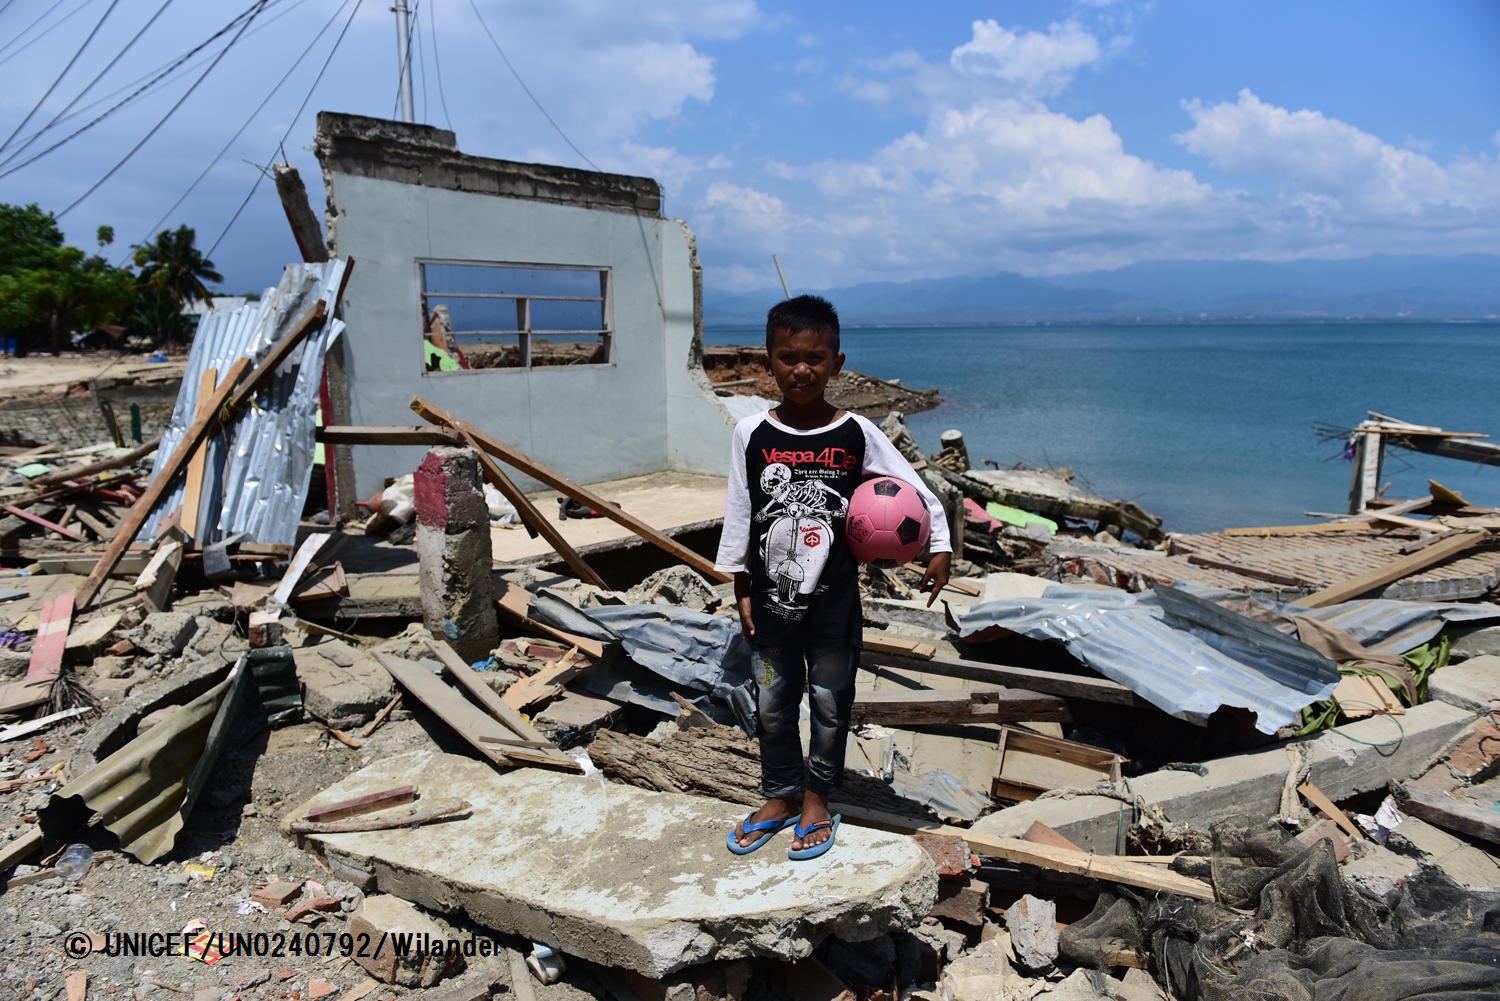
{"x": 878, "y": 141}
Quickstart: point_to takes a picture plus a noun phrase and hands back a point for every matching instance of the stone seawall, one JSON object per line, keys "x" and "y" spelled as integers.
{"x": 75, "y": 422}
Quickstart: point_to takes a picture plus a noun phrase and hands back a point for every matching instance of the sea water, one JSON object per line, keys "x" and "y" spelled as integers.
{"x": 1208, "y": 426}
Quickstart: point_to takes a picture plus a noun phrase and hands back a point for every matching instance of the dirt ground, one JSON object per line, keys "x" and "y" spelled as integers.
{"x": 24, "y": 376}
{"x": 231, "y": 847}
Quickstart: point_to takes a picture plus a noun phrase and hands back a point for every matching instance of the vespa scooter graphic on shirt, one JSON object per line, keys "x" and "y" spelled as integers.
{"x": 796, "y": 545}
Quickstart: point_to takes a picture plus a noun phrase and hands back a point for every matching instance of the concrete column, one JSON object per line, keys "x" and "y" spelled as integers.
{"x": 454, "y": 554}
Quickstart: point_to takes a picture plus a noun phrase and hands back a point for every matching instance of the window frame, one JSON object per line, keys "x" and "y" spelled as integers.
{"x": 428, "y": 298}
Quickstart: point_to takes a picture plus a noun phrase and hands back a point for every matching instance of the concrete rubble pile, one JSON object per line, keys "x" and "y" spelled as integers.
{"x": 361, "y": 767}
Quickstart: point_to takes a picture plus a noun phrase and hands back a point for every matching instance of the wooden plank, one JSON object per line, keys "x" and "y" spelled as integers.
{"x": 516, "y": 603}
{"x": 17, "y": 730}
{"x": 1252, "y": 572}
{"x": 368, "y": 803}
{"x": 92, "y": 468}
{"x": 192, "y": 494}
{"x": 1448, "y": 813}
{"x": 344, "y": 434}
{"x": 1074, "y": 686}
{"x": 466, "y": 719}
{"x": 18, "y": 695}
{"x": 1102, "y": 867}
{"x": 544, "y": 684}
{"x": 1028, "y": 764}
{"x": 50, "y": 640}
{"x": 925, "y": 707}
{"x": 103, "y": 530}
{"x": 881, "y": 643}
{"x": 154, "y": 584}
{"x": 1327, "y": 808}
{"x": 306, "y": 553}
{"x": 1040, "y": 834}
{"x": 535, "y": 522}
{"x": 141, "y": 509}
{"x": 537, "y": 471}
{"x": 50, "y": 526}
{"x": 504, "y": 715}
{"x": 1405, "y": 566}
{"x": 1361, "y": 522}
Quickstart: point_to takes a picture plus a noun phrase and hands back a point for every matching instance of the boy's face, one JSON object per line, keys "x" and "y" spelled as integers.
{"x": 802, "y": 362}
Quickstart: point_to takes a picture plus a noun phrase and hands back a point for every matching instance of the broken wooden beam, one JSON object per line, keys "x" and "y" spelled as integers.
{"x": 518, "y": 460}
{"x": 535, "y": 522}
{"x": 516, "y": 603}
{"x": 1396, "y": 569}
{"x": 507, "y": 717}
{"x": 1072, "y": 686}
{"x": 1102, "y": 867}
{"x": 927, "y": 707}
{"x": 406, "y": 818}
{"x": 343, "y": 434}
{"x": 368, "y": 803}
{"x": 1446, "y": 812}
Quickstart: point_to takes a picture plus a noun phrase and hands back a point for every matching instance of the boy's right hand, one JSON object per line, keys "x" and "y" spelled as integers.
{"x": 747, "y": 622}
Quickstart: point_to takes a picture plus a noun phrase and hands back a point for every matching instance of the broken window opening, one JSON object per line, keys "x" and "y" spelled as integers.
{"x": 494, "y": 315}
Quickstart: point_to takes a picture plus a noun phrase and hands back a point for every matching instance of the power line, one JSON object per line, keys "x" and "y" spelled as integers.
{"x": 45, "y": 31}
{"x": 506, "y": 59}
{"x": 259, "y": 5}
{"x": 71, "y": 63}
{"x": 241, "y": 130}
{"x": 97, "y": 77}
{"x": 437, "y": 67}
{"x": 290, "y": 125}
{"x": 154, "y": 78}
{"x": 170, "y": 68}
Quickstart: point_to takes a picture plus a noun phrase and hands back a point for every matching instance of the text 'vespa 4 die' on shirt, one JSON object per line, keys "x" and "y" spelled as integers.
{"x": 784, "y": 523}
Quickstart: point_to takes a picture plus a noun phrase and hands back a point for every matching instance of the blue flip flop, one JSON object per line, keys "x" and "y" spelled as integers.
{"x": 802, "y": 854}
{"x": 771, "y": 827}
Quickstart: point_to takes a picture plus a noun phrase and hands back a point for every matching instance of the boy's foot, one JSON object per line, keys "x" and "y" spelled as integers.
{"x": 814, "y": 815}
{"x": 772, "y": 810}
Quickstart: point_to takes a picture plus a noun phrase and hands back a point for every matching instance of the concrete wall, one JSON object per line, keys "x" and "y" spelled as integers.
{"x": 399, "y": 193}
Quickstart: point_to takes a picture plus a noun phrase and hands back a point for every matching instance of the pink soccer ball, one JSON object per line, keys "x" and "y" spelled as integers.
{"x": 887, "y": 523}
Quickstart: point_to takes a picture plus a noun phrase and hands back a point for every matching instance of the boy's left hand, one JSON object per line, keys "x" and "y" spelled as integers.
{"x": 935, "y": 577}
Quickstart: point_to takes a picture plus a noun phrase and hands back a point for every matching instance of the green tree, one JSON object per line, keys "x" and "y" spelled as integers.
{"x": 173, "y": 272}
{"x": 48, "y": 290}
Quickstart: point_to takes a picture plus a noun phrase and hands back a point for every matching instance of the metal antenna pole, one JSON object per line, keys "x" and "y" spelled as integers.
{"x": 403, "y": 59}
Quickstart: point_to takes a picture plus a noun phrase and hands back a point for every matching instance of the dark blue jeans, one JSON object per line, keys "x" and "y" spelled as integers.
{"x": 782, "y": 675}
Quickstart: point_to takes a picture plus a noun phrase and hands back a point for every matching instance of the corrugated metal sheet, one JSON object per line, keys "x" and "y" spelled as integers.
{"x": 256, "y": 481}
{"x": 1186, "y": 668}
{"x": 1189, "y": 651}
{"x": 144, "y": 792}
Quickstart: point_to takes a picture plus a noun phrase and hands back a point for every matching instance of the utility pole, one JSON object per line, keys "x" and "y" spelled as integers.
{"x": 403, "y": 59}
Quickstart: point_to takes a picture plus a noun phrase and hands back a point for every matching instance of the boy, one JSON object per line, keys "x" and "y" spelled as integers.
{"x": 792, "y": 471}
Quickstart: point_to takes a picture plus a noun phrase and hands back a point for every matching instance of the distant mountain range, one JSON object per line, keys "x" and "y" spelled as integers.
{"x": 1369, "y": 288}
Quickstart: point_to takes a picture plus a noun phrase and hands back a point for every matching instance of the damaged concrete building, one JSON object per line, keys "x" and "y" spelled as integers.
{"x": 579, "y": 298}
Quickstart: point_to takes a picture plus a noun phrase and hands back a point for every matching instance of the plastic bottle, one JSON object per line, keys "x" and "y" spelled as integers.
{"x": 74, "y": 862}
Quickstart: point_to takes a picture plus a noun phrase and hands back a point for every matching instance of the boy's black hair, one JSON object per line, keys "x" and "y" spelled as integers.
{"x": 805, "y": 312}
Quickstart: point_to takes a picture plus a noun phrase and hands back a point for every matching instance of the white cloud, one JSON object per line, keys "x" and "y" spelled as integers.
{"x": 1039, "y": 63}
{"x": 1345, "y": 173}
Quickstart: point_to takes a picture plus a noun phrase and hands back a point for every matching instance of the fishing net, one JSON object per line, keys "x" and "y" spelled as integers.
{"x": 1286, "y": 925}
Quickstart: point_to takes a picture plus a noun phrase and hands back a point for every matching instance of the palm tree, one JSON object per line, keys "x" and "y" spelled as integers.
{"x": 173, "y": 272}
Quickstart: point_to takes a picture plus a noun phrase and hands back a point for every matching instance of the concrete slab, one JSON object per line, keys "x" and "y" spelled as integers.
{"x": 621, "y": 876}
{"x": 1469, "y": 866}
{"x": 1473, "y": 684}
{"x": 1350, "y": 759}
